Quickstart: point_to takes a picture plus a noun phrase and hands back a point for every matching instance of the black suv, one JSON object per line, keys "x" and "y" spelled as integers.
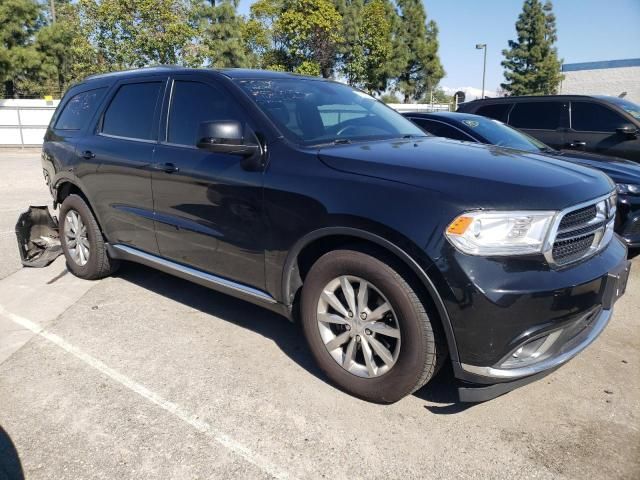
{"x": 599, "y": 124}
{"x": 397, "y": 251}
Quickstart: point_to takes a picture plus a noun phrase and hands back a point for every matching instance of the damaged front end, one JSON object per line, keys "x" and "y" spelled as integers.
{"x": 38, "y": 238}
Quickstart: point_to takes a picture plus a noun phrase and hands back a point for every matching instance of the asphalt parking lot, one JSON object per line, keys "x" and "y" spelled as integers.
{"x": 142, "y": 375}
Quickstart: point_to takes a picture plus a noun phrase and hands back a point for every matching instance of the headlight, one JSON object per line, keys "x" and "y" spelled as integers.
{"x": 500, "y": 233}
{"x": 627, "y": 189}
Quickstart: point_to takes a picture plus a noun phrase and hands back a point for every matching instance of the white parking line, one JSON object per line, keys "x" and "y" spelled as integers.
{"x": 173, "y": 408}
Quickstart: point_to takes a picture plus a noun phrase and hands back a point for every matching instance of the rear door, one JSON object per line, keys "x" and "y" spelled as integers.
{"x": 593, "y": 128}
{"x": 122, "y": 148}
{"x": 546, "y": 120}
{"x": 208, "y": 207}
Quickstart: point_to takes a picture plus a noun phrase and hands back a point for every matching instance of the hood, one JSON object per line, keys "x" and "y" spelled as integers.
{"x": 619, "y": 169}
{"x": 472, "y": 175}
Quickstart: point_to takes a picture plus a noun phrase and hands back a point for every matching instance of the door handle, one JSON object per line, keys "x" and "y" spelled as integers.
{"x": 165, "y": 167}
{"x": 88, "y": 154}
{"x": 576, "y": 144}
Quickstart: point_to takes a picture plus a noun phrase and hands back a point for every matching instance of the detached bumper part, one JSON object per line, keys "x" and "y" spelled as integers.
{"x": 38, "y": 239}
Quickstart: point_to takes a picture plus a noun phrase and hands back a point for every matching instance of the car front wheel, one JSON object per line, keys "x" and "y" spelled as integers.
{"x": 366, "y": 327}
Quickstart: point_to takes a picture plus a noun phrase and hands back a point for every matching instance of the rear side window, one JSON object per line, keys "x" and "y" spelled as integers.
{"x": 440, "y": 129}
{"x": 193, "y": 103}
{"x": 131, "y": 112}
{"x": 536, "y": 115}
{"x": 79, "y": 110}
{"x": 592, "y": 117}
{"x": 498, "y": 111}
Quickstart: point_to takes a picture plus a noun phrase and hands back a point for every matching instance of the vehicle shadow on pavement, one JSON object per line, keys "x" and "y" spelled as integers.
{"x": 443, "y": 390}
{"x": 286, "y": 335}
{"x": 10, "y": 466}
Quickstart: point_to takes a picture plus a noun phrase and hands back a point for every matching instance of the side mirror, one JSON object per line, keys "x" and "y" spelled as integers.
{"x": 226, "y": 136}
{"x": 627, "y": 130}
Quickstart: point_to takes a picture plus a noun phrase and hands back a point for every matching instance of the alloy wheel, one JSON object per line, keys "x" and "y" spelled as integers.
{"x": 76, "y": 239}
{"x": 358, "y": 326}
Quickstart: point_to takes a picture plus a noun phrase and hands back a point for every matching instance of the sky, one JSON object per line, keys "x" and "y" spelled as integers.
{"x": 588, "y": 30}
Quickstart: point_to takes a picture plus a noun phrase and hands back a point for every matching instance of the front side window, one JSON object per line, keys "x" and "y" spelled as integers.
{"x": 193, "y": 103}
{"x": 628, "y": 106}
{"x": 314, "y": 112}
{"x": 132, "y": 111}
{"x": 592, "y": 117}
{"x": 536, "y": 115}
{"x": 78, "y": 111}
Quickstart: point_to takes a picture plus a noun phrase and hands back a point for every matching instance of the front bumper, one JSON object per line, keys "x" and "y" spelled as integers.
{"x": 517, "y": 320}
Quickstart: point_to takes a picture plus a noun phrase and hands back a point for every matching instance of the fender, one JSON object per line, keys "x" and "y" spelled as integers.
{"x": 387, "y": 245}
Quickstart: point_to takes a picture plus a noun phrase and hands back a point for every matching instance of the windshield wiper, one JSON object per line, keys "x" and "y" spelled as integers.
{"x": 341, "y": 141}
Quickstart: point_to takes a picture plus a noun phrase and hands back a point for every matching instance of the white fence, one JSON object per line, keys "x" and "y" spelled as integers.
{"x": 422, "y": 107}
{"x": 23, "y": 122}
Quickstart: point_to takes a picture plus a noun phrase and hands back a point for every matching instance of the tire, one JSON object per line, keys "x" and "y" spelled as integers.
{"x": 97, "y": 263}
{"x": 416, "y": 355}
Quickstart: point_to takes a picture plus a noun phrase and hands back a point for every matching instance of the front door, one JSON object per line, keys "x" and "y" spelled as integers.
{"x": 593, "y": 128}
{"x": 208, "y": 209}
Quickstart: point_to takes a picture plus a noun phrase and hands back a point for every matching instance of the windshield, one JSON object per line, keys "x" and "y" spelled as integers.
{"x": 314, "y": 112}
{"x": 631, "y": 108}
{"x": 497, "y": 133}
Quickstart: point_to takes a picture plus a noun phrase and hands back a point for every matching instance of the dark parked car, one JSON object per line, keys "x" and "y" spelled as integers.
{"x": 396, "y": 251}
{"x": 598, "y": 124}
{"x": 474, "y": 128}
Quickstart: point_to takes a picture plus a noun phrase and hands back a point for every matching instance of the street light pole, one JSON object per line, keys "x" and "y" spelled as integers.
{"x": 52, "y": 3}
{"x": 483, "y": 46}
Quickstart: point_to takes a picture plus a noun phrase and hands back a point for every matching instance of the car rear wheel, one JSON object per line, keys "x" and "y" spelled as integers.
{"x": 82, "y": 241}
{"x": 366, "y": 327}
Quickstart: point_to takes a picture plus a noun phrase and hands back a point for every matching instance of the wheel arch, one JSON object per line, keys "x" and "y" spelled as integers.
{"x": 65, "y": 187}
{"x": 313, "y": 245}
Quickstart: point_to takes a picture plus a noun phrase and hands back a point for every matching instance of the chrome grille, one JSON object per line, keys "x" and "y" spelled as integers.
{"x": 582, "y": 231}
{"x": 578, "y": 217}
{"x": 566, "y": 250}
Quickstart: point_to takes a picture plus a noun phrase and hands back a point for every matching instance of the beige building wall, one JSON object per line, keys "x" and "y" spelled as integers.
{"x": 605, "y": 81}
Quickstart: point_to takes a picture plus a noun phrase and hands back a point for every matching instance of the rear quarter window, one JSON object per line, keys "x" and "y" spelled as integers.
{"x": 497, "y": 111}
{"x": 77, "y": 112}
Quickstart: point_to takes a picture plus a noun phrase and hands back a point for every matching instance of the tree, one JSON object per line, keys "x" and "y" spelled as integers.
{"x": 19, "y": 59}
{"x": 531, "y": 63}
{"x": 389, "y": 98}
{"x": 66, "y": 54}
{"x": 349, "y": 55}
{"x": 264, "y": 46}
{"x": 219, "y": 35}
{"x": 421, "y": 69}
{"x": 138, "y": 33}
{"x": 368, "y": 45}
{"x": 311, "y": 32}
